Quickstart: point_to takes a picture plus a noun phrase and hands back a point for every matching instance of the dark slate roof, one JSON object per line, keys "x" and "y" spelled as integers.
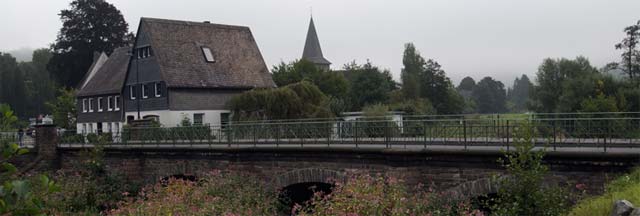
{"x": 110, "y": 78}
{"x": 312, "y": 51}
{"x": 177, "y": 47}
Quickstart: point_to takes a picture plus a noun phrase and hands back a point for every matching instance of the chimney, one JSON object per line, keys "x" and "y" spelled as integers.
{"x": 207, "y": 22}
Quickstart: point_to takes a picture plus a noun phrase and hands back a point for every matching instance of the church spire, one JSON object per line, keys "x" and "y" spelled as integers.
{"x": 312, "y": 51}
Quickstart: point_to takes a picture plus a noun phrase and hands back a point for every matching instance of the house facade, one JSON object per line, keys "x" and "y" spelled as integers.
{"x": 182, "y": 70}
{"x": 99, "y": 100}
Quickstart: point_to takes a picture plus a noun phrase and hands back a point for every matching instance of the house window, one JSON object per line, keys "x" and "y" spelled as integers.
{"x": 224, "y": 119}
{"x": 145, "y": 91}
{"x": 84, "y": 105}
{"x": 207, "y": 54}
{"x": 143, "y": 52}
{"x": 90, "y": 128}
{"x": 100, "y": 104}
{"x": 132, "y": 92}
{"x": 116, "y": 127}
{"x": 90, "y": 104}
{"x": 158, "y": 89}
{"x": 197, "y": 118}
{"x": 108, "y": 127}
{"x": 109, "y": 103}
{"x": 116, "y": 103}
{"x": 84, "y": 128}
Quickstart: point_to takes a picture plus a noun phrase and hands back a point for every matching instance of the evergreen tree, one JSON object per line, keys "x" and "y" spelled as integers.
{"x": 518, "y": 95}
{"x": 630, "y": 63}
{"x": 489, "y": 96}
{"x": 88, "y": 26}
{"x": 12, "y": 90}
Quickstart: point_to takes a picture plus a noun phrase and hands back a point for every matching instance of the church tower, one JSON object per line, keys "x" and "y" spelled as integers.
{"x": 312, "y": 51}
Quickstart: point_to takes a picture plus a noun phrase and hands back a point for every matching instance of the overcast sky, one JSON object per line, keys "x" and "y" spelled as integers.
{"x": 477, "y": 38}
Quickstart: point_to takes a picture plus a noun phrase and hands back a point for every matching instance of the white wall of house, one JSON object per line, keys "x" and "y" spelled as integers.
{"x": 173, "y": 118}
{"x": 92, "y": 127}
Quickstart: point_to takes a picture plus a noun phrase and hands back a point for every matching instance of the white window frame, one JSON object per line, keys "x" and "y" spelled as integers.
{"x": 90, "y": 105}
{"x": 99, "y": 101}
{"x": 116, "y": 106}
{"x": 116, "y": 127}
{"x": 144, "y": 96}
{"x": 109, "y": 104}
{"x": 84, "y": 128}
{"x": 132, "y": 92}
{"x": 208, "y": 55}
{"x": 90, "y": 128}
{"x": 157, "y": 87}
{"x": 84, "y": 105}
{"x": 109, "y": 127}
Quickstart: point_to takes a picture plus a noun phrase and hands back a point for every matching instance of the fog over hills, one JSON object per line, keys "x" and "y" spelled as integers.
{"x": 22, "y": 54}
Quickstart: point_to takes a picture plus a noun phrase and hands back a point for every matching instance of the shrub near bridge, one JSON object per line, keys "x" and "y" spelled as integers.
{"x": 380, "y": 195}
{"x": 214, "y": 194}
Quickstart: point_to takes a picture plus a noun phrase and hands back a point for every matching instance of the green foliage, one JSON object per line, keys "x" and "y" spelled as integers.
{"x": 467, "y": 84}
{"x": 426, "y": 79}
{"x": 12, "y": 90}
{"x": 630, "y": 62}
{"x": 523, "y": 191}
{"x": 518, "y": 95}
{"x": 369, "y": 85}
{"x": 89, "y": 188}
{"x": 562, "y": 84}
{"x": 88, "y": 26}
{"x": 8, "y": 120}
{"x": 64, "y": 109}
{"x": 489, "y": 96}
{"x": 331, "y": 83}
{"x": 298, "y": 100}
{"x": 625, "y": 187}
{"x": 213, "y": 194}
{"x": 39, "y": 86}
{"x": 381, "y": 195}
{"x": 18, "y": 195}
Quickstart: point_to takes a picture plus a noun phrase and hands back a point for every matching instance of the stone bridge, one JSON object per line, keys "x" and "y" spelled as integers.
{"x": 464, "y": 172}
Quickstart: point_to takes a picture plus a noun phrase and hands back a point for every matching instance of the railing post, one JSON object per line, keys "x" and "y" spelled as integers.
{"x": 386, "y": 133}
{"x": 554, "y": 135}
{"x": 424, "y": 133}
{"x": 464, "y": 132}
{"x": 255, "y": 140}
{"x": 355, "y": 137}
{"x": 508, "y": 135}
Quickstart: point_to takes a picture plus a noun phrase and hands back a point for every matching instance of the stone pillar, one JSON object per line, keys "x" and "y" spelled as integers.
{"x": 47, "y": 142}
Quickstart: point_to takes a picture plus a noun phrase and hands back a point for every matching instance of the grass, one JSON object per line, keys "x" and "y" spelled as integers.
{"x": 625, "y": 187}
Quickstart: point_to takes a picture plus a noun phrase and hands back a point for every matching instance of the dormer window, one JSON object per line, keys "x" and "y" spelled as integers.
{"x": 132, "y": 92}
{"x": 116, "y": 103}
{"x": 143, "y": 52}
{"x": 84, "y": 105}
{"x": 158, "y": 89}
{"x": 90, "y": 104}
{"x": 208, "y": 56}
{"x": 100, "y": 104}
{"x": 145, "y": 91}
{"x": 109, "y": 104}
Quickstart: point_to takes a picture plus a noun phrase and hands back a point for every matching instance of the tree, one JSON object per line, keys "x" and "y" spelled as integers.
{"x": 630, "y": 63}
{"x": 467, "y": 84}
{"x": 523, "y": 191}
{"x": 369, "y": 85}
{"x": 12, "y": 90}
{"x": 561, "y": 84}
{"x": 293, "y": 101}
{"x": 518, "y": 95}
{"x": 88, "y": 26}
{"x": 426, "y": 79}
{"x": 330, "y": 83}
{"x": 64, "y": 109}
{"x": 40, "y": 87}
{"x": 489, "y": 96}
{"x": 413, "y": 66}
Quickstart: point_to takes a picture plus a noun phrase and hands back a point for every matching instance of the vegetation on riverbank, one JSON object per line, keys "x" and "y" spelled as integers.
{"x": 625, "y": 187}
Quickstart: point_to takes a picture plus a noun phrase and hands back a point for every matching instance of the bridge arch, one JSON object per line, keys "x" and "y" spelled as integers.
{"x": 476, "y": 188}
{"x": 308, "y": 175}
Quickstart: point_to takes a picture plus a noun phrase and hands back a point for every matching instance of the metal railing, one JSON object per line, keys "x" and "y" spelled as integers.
{"x": 604, "y": 131}
{"x": 26, "y": 139}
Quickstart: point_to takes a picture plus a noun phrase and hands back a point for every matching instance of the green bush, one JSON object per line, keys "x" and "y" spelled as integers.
{"x": 625, "y": 187}
{"x": 382, "y": 195}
